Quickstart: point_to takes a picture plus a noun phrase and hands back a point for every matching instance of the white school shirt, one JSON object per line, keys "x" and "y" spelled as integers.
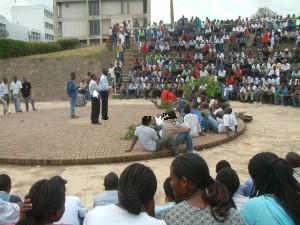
{"x": 228, "y": 120}
{"x": 114, "y": 215}
{"x": 15, "y": 87}
{"x": 2, "y": 87}
{"x": 73, "y": 210}
{"x": 9, "y": 213}
{"x": 104, "y": 86}
{"x": 191, "y": 121}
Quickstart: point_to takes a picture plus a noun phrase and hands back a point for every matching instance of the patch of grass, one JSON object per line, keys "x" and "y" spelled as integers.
{"x": 129, "y": 133}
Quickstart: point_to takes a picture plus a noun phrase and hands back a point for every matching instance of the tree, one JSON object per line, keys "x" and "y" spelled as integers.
{"x": 263, "y": 12}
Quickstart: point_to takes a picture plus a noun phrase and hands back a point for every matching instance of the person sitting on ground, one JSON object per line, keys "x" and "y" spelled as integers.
{"x": 74, "y": 209}
{"x": 230, "y": 179}
{"x": 5, "y": 187}
{"x": 169, "y": 197}
{"x": 110, "y": 195}
{"x": 47, "y": 198}
{"x": 137, "y": 186}
{"x": 195, "y": 110}
{"x": 221, "y": 165}
{"x": 278, "y": 198}
{"x": 294, "y": 159}
{"x": 205, "y": 200}
{"x": 191, "y": 121}
{"x": 149, "y": 139}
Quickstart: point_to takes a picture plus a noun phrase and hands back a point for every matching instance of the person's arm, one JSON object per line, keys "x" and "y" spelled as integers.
{"x": 134, "y": 141}
{"x": 81, "y": 209}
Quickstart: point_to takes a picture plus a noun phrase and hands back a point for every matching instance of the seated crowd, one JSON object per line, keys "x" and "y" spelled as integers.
{"x": 246, "y": 57}
{"x": 192, "y": 196}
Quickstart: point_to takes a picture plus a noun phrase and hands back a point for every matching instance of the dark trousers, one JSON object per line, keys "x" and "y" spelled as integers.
{"x": 104, "y": 99}
{"x": 95, "y": 110}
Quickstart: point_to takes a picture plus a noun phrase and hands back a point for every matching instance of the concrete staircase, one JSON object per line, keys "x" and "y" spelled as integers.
{"x": 129, "y": 57}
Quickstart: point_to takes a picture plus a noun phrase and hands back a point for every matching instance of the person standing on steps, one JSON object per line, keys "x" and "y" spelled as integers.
{"x": 94, "y": 89}
{"x": 72, "y": 93}
{"x": 104, "y": 92}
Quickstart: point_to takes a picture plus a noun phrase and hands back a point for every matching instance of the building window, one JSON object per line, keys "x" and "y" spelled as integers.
{"x": 145, "y": 6}
{"x": 94, "y": 27}
{"x": 3, "y": 32}
{"x": 34, "y": 36}
{"x": 49, "y": 37}
{"x": 94, "y": 8}
{"x": 48, "y": 14}
{"x": 48, "y": 26}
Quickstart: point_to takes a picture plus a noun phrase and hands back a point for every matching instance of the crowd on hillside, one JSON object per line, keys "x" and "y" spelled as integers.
{"x": 269, "y": 196}
{"x": 14, "y": 91}
{"x": 248, "y": 58}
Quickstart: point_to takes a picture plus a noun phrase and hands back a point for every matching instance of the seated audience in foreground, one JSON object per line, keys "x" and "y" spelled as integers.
{"x": 205, "y": 200}
{"x": 169, "y": 197}
{"x": 137, "y": 186}
{"x": 74, "y": 209}
{"x": 278, "y": 198}
{"x": 230, "y": 179}
{"x": 5, "y": 187}
{"x": 110, "y": 195}
{"x": 48, "y": 199}
{"x": 294, "y": 159}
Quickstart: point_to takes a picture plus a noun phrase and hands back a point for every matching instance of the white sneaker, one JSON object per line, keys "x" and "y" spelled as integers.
{"x": 9, "y": 112}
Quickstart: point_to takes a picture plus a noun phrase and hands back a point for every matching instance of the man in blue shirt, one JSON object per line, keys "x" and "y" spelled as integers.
{"x": 104, "y": 92}
{"x": 280, "y": 94}
{"x": 72, "y": 93}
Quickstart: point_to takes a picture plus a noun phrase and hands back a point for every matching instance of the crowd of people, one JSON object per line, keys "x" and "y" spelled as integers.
{"x": 192, "y": 196}
{"x": 248, "y": 58}
{"x": 14, "y": 91}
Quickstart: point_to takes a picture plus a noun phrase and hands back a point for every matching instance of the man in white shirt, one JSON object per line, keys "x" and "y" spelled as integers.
{"x": 94, "y": 90}
{"x": 3, "y": 100}
{"x": 110, "y": 195}
{"x": 104, "y": 92}
{"x": 74, "y": 209}
{"x": 15, "y": 89}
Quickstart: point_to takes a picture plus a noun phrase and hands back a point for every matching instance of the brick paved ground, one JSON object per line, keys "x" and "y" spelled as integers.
{"x": 49, "y": 137}
{"x": 274, "y": 128}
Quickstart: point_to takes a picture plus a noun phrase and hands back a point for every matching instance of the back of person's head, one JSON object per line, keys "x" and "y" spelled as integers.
{"x": 60, "y": 180}
{"x": 168, "y": 190}
{"x": 5, "y": 183}
{"x": 192, "y": 174}
{"x": 146, "y": 120}
{"x": 111, "y": 181}
{"x": 137, "y": 186}
{"x": 228, "y": 111}
{"x": 274, "y": 175}
{"x": 187, "y": 109}
{"x": 221, "y": 165}
{"x": 293, "y": 158}
{"x": 195, "y": 105}
{"x": 230, "y": 179}
{"x": 48, "y": 199}
{"x": 170, "y": 115}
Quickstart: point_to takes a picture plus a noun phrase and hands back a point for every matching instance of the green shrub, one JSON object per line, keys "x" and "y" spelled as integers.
{"x": 68, "y": 43}
{"x": 130, "y": 132}
{"x": 212, "y": 86}
{"x": 15, "y": 48}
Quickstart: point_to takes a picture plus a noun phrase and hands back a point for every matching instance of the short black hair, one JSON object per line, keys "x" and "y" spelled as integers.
{"x": 111, "y": 181}
{"x": 146, "y": 120}
{"x": 5, "y": 182}
{"x": 230, "y": 179}
{"x": 293, "y": 158}
{"x": 170, "y": 115}
{"x": 60, "y": 180}
{"x": 222, "y": 164}
{"x": 168, "y": 189}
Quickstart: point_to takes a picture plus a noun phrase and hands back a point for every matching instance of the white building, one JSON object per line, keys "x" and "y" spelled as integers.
{"x": 90, "y": 20}
{"x": 37, "y": 17}
{"x": 13, "y": 31}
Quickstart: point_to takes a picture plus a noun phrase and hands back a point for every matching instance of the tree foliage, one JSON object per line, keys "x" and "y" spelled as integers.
{"x": 209, "y": 82}
{"x": 263, "y": 12}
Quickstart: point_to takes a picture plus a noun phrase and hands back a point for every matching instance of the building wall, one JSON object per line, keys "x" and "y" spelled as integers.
{"x": 15, "y": 31}
{"x": 110, "y": 8}
{"x": 73, "y": 10}
{"x": 136, "y": 7}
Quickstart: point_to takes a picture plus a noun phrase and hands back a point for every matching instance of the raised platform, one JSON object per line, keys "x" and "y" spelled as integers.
{"x": 48, "y": 137}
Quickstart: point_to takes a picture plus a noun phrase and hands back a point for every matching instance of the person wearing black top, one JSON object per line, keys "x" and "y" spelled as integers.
{"x": 27, "y": 95}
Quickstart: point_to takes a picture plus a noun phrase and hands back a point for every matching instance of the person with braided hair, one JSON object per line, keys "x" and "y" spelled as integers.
{"x": 47, "y": 198}
{"x": 206, "y": 201}
{"x": 277, "y": 192}
{"x": 137, "y": 186}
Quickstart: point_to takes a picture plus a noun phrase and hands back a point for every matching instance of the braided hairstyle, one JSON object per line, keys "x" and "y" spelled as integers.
{"x": 137, "y": 186}
{"x": 274, "y": 175}
{"x": 48, "y": 199}
{"x": 194, "y": 168}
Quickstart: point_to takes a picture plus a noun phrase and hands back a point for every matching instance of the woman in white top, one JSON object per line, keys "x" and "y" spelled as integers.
{"x": 191, "y": 121}
{"x": 137, "y": 186}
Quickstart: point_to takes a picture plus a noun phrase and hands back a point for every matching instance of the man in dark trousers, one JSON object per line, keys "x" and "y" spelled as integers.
{"x": 94, "y": 91}
{"x": 72, "y": 93}
{"x": 27, "y": 94}
{"x": 104, "y": 91}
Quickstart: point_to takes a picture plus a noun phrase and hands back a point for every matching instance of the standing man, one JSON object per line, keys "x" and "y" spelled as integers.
{"x": 15, "y": 89}
{"x": 94, "y": 92}
{"x": 2, "y": 99}
{"x": 104, "y": 91}
{"x": 72, "y": 93}
{"x": 6, "y": 90}
{"x": 27, "y": 94}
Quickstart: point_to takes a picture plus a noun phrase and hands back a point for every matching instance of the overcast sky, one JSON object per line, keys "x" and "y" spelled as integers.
{"x": 219, "y": 9}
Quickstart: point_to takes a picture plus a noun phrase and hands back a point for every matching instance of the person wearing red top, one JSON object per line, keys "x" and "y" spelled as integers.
{"x": 144, "y": 47}
{"x": 265, "y": 37}
{"x": 167, "y": 96}
{"x": 230, "y": 80}
{"x": 195, "y": 73}
{"x": 199, "y": 66}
